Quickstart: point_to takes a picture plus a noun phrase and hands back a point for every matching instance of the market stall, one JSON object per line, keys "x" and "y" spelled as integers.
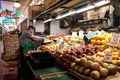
{"x": 96, "y": 60}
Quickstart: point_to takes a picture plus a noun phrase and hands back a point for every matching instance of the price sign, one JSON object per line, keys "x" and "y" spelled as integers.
{"x": 81, "y": 34}
{"x": 74, "y": 33}
{"x": 115, "y": 40}
{"x": 97, "y": 32}
{"x": 90, "y": 35}
{"x": 103, "y": 32}
{"x": 61, "y": 45}
{"x": 108, "y": 57}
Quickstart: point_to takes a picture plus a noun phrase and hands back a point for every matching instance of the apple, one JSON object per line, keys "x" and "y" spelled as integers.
{"x": 104, "y": 72}
{"x": 87, "y": 72}
{"x": 95, "y": 74}
{"x": 95, "y": 66}
{"x": 82, "y": 69}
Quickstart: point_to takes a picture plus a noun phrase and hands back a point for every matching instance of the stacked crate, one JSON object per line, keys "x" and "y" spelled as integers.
{"x": 10, "y": 56}
{"x": 11, "y": 47}
{"x": 10, "y": 70}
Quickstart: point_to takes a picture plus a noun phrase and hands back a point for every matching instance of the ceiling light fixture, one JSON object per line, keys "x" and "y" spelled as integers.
{"x": 48, "y": 20}
{"x": 16, "y": 4}
{"x": 36, "y": 2}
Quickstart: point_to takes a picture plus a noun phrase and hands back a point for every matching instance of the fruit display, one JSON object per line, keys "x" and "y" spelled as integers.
{"x": 115, "y": 55}
{"x": 101, "y": 40}
{"x": 90, "y": 66}
{"x": 70, "y": 54}
{"x": 50, "y": 47}
{"x": 55, "y": 36}
{"x": 70, "y": 39}
{"x": 47, "y": 40}
{"x": 32, "y": 52}
{"x": 85, "y": 59}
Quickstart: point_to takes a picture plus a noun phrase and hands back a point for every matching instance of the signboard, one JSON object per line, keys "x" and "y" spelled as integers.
{"x": 81, "y": 34}
{"x": 74, "y": 34}
{"x": 90, "y": 35}
{"x": 9, "y": 24}
{"x": 115, "y": 40}
{"x": 9, "y": 14}
{"x": 108, "y": 57}
{"x": 50, "y": 3}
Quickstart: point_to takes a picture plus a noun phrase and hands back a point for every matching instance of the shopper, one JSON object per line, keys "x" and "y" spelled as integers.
{"x": 29, "y": 36}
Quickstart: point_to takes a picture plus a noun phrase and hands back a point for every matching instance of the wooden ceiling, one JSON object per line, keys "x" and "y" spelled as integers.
{"x": 68, "y": 5}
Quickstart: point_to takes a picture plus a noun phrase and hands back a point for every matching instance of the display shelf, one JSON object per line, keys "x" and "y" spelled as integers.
{"x": 110, "y": 77}
{"x": 47, "y": 70}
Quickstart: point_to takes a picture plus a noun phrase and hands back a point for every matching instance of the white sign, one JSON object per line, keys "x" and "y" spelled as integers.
{"x": 108, "y": 57}
{"x": 115, "y": 40}
{"x": 90, "y": 34}
{"x": 81, "y": 34}
{"x": 74, "y": 33}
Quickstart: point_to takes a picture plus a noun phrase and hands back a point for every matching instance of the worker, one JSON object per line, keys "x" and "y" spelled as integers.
{"x": 29, "y": 36}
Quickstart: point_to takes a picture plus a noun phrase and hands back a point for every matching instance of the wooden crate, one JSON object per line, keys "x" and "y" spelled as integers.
{"x": 10, "y": 73}
{"x": 10, "y": 56}
{"x": 10, "y": 64}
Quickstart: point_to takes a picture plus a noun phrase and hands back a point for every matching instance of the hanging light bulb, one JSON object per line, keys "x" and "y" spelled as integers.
{"x": 16, "y": 4}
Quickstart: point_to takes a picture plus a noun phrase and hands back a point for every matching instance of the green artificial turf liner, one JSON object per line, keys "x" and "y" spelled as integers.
{"x": 47, "y": 70}
{"x": 63, "y": 77}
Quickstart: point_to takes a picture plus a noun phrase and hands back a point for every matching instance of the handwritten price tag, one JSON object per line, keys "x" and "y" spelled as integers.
{"x": 115, "y": 40}
{"x": 108, "y": 57}
{"x": 90, "y": 35}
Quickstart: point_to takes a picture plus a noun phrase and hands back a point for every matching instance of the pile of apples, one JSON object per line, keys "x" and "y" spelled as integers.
{"x": 93, "y": 67}
{"x": 32, "y": 52}
{"x": 79, "y": 51}
{"x": 55, "y": 36}
{"x": 70, "y": 54}
{"x": 101, "y": 40}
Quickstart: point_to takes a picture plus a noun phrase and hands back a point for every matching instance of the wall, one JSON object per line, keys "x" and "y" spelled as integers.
{"x": 39, "y": 26}
{"x": 54, "y": 28}
{"x": 24, "y": 26}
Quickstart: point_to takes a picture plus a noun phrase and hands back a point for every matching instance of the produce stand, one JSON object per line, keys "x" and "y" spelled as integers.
{"x": 95, "y": 61}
